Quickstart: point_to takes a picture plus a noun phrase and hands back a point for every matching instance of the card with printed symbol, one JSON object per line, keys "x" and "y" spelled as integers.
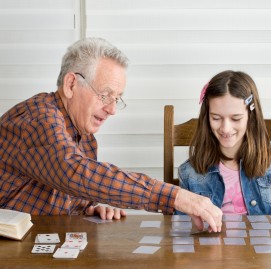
{"x": 66, "y": 253}
{"x": 78, "y": 237}
{"x": 41, "y": 249}
{"x": 76, "y": 245}
{"x": 47, "y": 238}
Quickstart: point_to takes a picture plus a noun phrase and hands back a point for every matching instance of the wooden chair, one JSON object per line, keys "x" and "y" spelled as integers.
{"x": 179, "y": 135}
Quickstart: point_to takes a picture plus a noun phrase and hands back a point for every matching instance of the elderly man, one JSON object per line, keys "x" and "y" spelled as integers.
{"x": 48, "y": 150}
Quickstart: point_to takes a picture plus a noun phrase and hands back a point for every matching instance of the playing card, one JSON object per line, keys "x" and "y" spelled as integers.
{"x": 146, "y": 250}
{"x": 236, "y": 233}
{"x": 180, "y": 218}
{"x": 77, "y": 245}
{"x": 257, "y": 218}
{"x": 97, "y": 219}
{"x": 79, "y": 237}
{"x": 260, "y": 240}
{"x": 178, "y": 232}
{"x": 259, "y": 233}
{"x": 232, "y": 217}
{"x": 47, "y": 238}
{"x": 38, "y": 249}
{"x": 151, "y": 240}
{"x": 262, "y": 249}
{"x": 183, "y": 240}
{"x": 150, "y": 224}
{"x": 183, "y": 248}
{"x": 182, "y": 225}
{"x": 209, "y": 241}
{"x": 65, "y": 253}
{"x": 235, "y": 225}
{"x": 234, "y": 241}
{"x": 261, "y": 225}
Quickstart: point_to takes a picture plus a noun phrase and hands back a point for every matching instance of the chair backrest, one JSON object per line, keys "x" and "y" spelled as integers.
{"x": 180, "y": 135}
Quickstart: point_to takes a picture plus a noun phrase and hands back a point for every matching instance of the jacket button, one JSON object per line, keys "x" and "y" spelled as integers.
{"x": 253, "y": 203}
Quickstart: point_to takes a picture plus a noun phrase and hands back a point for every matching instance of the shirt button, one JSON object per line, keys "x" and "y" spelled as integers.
{"x": 253, "y": 202}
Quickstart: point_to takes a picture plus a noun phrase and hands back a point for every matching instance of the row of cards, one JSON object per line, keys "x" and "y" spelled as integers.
{"x": 183, "y": 240}
{"x": 70, "y": 249}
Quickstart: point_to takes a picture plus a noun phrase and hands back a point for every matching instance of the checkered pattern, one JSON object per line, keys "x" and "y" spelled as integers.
{"x": 47, "y": 168}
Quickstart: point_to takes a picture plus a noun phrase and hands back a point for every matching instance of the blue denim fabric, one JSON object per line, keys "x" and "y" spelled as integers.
{"x": 256, "y": 192}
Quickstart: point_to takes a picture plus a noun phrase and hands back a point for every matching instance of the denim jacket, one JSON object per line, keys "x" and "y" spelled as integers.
{"x": 256, "y": 192}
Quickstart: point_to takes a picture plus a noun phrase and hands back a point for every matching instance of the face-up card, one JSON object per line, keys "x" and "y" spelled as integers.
{"x": 65, "y": 253}
{"x": 47, "y": 238}
{"x": 77, "y": 245}
{"x": 79, "y": 237}
{"x": 38, "y": 249}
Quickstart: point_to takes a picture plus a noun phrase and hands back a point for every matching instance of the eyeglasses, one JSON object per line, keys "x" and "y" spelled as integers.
{"x": 106, "y": 99}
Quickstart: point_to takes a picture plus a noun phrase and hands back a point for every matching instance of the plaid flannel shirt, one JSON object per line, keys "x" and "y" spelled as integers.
{"x": 47, "y": 168}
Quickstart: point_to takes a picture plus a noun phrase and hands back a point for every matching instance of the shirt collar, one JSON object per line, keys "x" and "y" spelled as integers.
{"x": 68, "y": 123}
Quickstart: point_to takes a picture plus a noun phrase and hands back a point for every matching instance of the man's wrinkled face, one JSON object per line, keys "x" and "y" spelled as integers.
{"x": 86, "y": 107}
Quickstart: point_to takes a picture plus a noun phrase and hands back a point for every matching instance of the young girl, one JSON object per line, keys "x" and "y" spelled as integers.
{"x": 230, "y": 156}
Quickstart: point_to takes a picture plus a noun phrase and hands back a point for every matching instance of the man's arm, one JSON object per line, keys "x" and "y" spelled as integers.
{"x": 200, "y": 208}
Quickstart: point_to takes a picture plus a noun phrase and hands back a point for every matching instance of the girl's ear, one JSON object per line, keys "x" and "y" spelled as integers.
{"x": 69, "y": 82}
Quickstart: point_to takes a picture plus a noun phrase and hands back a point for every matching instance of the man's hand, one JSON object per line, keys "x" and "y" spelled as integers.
{"x": 200, "y": 208}
{"x": 105, "y": 213}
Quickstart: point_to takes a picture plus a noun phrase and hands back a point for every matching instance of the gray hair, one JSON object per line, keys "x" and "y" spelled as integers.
{"x": 83, "y": 55}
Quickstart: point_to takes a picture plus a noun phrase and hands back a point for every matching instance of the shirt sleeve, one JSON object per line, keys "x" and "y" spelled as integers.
{"x": 48, "y": 154}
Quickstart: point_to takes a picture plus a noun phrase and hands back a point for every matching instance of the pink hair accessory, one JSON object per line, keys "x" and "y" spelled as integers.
{"x": 203, "y": 92}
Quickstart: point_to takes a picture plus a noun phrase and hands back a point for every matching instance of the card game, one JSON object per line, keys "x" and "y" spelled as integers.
{"x": 74, "y": 243}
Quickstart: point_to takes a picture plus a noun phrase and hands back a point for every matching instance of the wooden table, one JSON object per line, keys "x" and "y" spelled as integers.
{"x": 110, "y": 245}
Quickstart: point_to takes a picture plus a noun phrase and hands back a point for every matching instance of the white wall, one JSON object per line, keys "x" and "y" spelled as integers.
{"x": 174, "y": 46}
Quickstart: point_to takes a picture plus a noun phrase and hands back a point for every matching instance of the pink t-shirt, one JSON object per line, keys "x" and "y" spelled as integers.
{"x": 233, "y": 202}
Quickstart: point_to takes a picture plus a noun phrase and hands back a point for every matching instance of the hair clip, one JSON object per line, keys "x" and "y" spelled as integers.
{"x": 248, "y": 100}
{"x": 203, "y": 92}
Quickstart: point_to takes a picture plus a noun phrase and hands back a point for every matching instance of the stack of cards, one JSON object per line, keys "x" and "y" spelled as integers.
{"x": 74, "y": 242}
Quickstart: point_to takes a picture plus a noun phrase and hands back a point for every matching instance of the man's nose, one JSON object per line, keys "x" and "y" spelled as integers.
{"x": 111, "y": 108}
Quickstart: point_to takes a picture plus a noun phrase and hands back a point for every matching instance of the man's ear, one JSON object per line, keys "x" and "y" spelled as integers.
{"x": 69, "y": 82}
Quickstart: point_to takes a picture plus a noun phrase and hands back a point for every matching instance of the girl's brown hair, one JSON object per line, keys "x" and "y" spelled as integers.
{"x": 255, "y": 150}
